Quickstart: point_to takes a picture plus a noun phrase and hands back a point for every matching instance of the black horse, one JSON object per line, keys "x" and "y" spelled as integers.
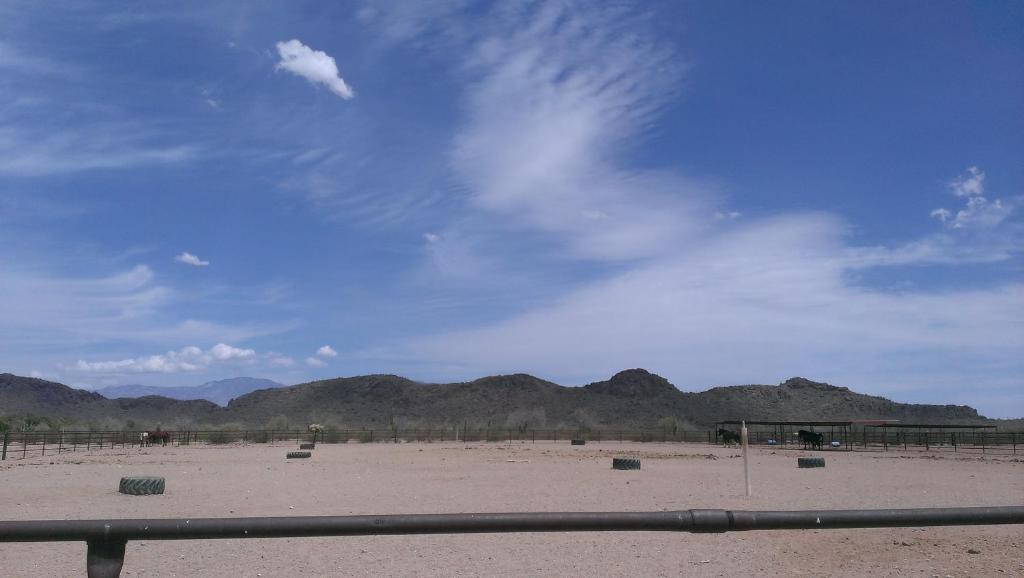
{"x": 729, "y": 436}
{"x": 810, "y": 439}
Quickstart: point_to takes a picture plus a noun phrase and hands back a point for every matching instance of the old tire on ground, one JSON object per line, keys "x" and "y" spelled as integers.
{"x": 299, "y": 455}
{"x": 579, "y": 442}
{"x": 625, "y": 464}
{"x": 141, "y": 486}
{"x": 810, "y": 462}
{"x": 307, "y": 446}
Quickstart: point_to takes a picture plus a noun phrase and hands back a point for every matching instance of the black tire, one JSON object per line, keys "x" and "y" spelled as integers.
{"x": 625, "y": 464}
{"x": 579, "y": 442}
{"x": 139, "y": 486}
{"x": 810, "y": 462}
{"x": 299, "y": 455}
{"x": 307, "y": 446}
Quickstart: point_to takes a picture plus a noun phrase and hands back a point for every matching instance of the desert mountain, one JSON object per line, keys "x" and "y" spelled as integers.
{"x": 630, "y": 399}
{"x": 219, "y": 392}
{"x": 62, "y": 404}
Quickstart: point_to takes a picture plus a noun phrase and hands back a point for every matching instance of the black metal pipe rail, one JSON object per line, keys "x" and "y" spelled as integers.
{"x": 107, "y": 539}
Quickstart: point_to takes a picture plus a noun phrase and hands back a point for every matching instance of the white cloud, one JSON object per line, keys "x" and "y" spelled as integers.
{"x": 431, "y": 237}
{"x": 190, "y": 259}
{"x": 942, "y": 215}
{"x": 971, "y": 184}
{"x": 978, "y": 211}
{"x": 326, "y": 351}
{"x": 186, "y": 359}
{"x": 208, "y": 97}
{"x": 223, "y": 352}
{"x": 314, "y": 362}
{"x": 314, "y": 65}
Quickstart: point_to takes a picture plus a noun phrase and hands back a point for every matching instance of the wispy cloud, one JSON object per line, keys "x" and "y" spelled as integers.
{"x": 315, "y": 362}
{"x": 18, "y": 60}
{"x": 978, "y": 211}
{"x": 30, "y": 153}
{"x": 190, "y": 259}
{"x": 279, "y": 360}
{"x": 774, "y": 295}
{"x": 314, "y": 65}
{"x": 556, "y": 98}
{"x": 131, "y": 305}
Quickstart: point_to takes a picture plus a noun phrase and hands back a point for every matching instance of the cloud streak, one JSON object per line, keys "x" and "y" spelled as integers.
{"x": 29, "y": 154}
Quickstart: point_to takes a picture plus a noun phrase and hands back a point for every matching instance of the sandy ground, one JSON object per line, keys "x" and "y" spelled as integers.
{"x": 256, "y": 480}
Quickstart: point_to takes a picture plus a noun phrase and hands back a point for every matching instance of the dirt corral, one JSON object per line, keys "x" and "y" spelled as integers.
{"x": 256, "y": 480}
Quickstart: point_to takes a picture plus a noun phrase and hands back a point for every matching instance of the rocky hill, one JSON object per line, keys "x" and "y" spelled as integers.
{"x": 630, "y": 399}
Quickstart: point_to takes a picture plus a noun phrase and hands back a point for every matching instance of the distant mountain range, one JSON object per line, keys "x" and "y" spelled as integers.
{"x": 219, "y": 392}
{"x": 630, "y": 399}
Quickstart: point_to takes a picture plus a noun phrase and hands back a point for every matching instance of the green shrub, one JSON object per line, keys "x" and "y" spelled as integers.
{"x": 223, "y": 437}
{"x": 334, "y": 435}
{"x": 258, "y": 437}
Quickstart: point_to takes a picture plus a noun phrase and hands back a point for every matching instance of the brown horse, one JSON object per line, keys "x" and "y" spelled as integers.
{"x": 154, "y": 437}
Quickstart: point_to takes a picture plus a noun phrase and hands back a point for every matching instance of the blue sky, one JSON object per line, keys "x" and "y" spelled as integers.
{"x": 719, "y": 192}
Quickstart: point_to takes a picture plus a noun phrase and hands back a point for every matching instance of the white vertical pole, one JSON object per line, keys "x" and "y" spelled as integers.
{"x": 746, "y": 463}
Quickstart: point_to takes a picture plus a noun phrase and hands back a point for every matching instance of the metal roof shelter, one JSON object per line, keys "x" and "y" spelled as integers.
{"x": 927, "y": 435}
{"x": 932, "y": 426}
{"x": 783, "y": 432}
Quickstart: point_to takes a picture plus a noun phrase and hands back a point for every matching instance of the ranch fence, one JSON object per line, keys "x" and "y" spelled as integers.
{"x": 19, "y": 445}
{"x": 107, "y": 540}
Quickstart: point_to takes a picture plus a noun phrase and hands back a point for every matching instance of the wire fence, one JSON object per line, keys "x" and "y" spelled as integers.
{"x": 20, "y": 445}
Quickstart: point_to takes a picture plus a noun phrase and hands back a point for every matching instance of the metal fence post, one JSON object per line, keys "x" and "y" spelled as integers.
{"x": 7, "y": 438}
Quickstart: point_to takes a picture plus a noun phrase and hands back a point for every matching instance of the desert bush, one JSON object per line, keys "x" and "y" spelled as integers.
{"x": 279, "y": 423}
{"x": 223, "y": 437}
{"x": 258, "y": 437}
{"x": 334, "y": 435}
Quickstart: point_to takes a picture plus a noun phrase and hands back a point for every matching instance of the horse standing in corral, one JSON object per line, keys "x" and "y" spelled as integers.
{"x": 810, "y": 439}
{"x": 728, "y": 436}
{"x": 153, "y": 437}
